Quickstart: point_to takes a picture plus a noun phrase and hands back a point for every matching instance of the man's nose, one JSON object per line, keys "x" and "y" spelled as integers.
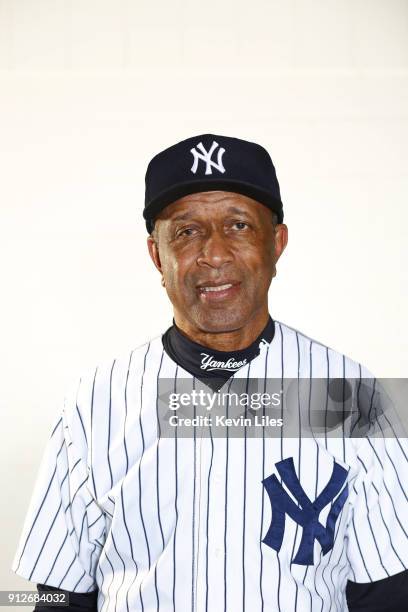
{"x": 215, "y": 251}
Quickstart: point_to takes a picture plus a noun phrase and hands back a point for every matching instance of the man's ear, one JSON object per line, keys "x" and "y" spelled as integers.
{"x": 281, "y": 239}
{"x": 280, "y": 242}
{"x": 154, "y": 252}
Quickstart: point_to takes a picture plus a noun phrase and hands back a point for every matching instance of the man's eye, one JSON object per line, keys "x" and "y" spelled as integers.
{"x": 240, "y": 225}
{"x": 186, "y": 231}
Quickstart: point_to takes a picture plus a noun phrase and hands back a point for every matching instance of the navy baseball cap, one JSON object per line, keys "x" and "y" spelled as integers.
{"x": 210, "y": 163}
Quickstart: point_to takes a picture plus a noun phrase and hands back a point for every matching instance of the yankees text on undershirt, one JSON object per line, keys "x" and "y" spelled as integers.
{"x": 210, "y": 366}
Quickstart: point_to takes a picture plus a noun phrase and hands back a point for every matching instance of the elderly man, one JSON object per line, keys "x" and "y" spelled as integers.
{"x": 138, "y": 508}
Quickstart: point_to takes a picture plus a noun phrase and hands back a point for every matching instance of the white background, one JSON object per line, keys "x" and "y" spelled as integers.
{"x": 90, "y": 90}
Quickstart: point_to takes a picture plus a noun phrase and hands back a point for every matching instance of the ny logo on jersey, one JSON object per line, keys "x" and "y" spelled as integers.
{"x": 307, "y": 513}
{"x": 206, "y": 156}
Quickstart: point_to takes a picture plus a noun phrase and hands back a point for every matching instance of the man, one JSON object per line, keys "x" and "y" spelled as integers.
{"x": 134, "y": 511}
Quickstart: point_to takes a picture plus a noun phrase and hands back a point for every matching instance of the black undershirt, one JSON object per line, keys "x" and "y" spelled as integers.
{"x": 210, "y": 366}
{"x": 214, "y": 368}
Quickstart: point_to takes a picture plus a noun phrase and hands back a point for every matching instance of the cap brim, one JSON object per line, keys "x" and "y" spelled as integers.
{"x": 169, "y": 196}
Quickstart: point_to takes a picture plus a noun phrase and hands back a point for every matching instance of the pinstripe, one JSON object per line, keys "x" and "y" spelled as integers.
{"x": 193, "y": 513}
{"x": 124, "y": 570}
{"x": 82, "y": 529}
{"x": 358, "y": 403}
{"x": 326, "y": 583}
{"x": 358, "y": 544}
{"x": 338, "y": 523}
{"x": 281, "y": 457}
{"x": 342, "y": 552}
{"x": 126, "y": 411}
{"x": 109, "y": 423}
{"x": 308, "y": 410}
{"x": 40, "y": 508}
{"x": 56, "y": 557}
{"x": 337, "y": 527}
{"x": 404, "y": 567}
{"x": 317, "y": 462}
{"x": 317, "y": 472}
{"x": 315, "y": 581}
{"x": 108, "y": 513}
{"x": 79, "y": 413}
{"x": 132, "y": 555}
{"x": 78, "y": 581}
{"x": 109, "y": 598}
{"x": 62, "y": 482}
{"x": 198, "y": 530}
{"x": 350, "y": 566}
{"x": 315, "y": 578}
{"x": 263, "y": 489}
{"x": 91, "y": 436}
{"x": 157, "y": 475}
{"x": 338, "y": 591}
{"x": 56, "y": 427}
{"x": 327, "y": 397}
{"x": 49, "y": 531}
{"x": 282, "y": 374}
{"x": 74, "y": 466}
{"x": 323, "y": 568}
{"x": 386, "y": 488}
{"x": 140, "y": 471}
{"x": 381, "y": 514}
{"x": 299, "y": 455}
{"x": 208, "y": 513}
{"x": 226, "y": 501}
{"x": 396, "y": 438}
{"x": 175, "y": 500}
{"x": 90, "y": 559}
{"x": 78, "y": 489}
{"x": 67, "y": 572}
{"x": 392, "y": 462}
{"x": 343, "y": 412}
{"x": 244, "y": 506}
{"x": 101, "y": 590}
{"x": 372, "y": 532}
{"x": 371, "y": 401}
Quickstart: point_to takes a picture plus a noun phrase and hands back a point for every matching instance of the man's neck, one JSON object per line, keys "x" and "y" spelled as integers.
{"x": 208, "y": 364}
{"x": 232, "y": 340}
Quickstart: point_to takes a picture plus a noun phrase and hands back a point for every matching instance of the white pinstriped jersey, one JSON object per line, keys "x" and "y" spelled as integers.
{"x": 176, "y": 524}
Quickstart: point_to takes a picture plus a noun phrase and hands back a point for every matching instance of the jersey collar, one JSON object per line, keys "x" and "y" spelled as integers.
{"x": 212, "y": 367}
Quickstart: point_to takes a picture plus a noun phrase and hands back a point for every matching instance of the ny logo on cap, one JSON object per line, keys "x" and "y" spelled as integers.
{"x": 205, "y": 156}
{"x": 305, "y": 512}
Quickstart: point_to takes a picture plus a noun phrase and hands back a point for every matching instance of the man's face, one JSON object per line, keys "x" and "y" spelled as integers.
{"x": 217, "y": 253}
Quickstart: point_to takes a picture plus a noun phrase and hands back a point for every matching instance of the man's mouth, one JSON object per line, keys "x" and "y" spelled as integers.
{"x": 218, "y": 290}
{"x": 215, "y": 287}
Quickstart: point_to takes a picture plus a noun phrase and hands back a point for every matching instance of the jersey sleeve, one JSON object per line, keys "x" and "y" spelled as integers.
{"x": 390, "y": 594}
{"x": 377, "y": 540}
{"x": 64, "y": 528}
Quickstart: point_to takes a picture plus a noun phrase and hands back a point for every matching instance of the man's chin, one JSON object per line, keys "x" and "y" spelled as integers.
{"x": 218, "y": 322}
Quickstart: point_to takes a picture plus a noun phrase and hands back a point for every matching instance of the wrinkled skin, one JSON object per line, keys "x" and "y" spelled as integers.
{"x": 212, "y": 239}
